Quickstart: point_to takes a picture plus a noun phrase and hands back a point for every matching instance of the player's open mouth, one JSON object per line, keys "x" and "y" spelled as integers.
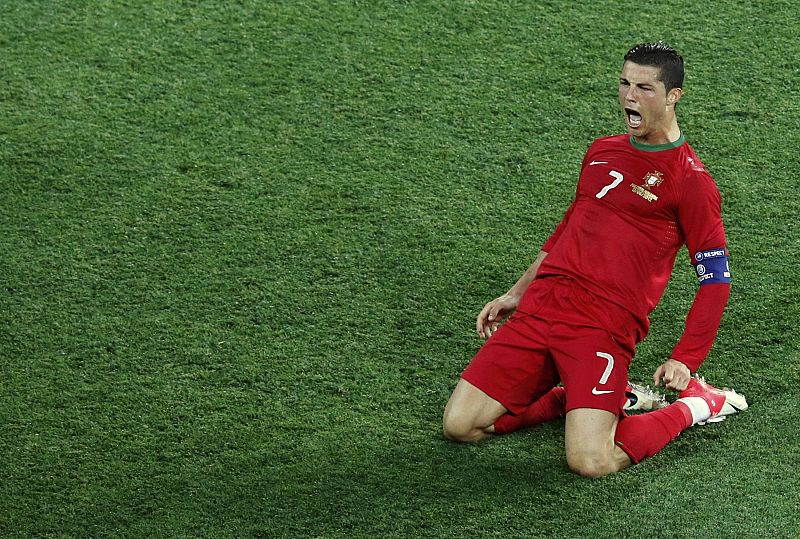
{"x": 634, "y": 118}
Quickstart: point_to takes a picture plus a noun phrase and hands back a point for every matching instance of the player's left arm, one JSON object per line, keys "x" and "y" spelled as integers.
{"x": 700, "y": 218}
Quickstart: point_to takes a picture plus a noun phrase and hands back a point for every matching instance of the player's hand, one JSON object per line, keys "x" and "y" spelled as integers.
{"x": 674, "y": 374}
{"x": 494, "y": 313}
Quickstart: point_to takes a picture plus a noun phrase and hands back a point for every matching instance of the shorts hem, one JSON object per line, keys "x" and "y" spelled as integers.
{"x": 619, "y": 412}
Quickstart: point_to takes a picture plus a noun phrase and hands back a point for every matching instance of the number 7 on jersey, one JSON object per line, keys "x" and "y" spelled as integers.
{"x": 617, "y": 180}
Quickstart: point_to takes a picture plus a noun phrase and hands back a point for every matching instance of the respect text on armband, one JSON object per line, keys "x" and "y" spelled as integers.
{"x": 713, "y": 253}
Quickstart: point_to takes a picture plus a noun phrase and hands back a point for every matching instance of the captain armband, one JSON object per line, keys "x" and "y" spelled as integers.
{"x": 712, "y": 266}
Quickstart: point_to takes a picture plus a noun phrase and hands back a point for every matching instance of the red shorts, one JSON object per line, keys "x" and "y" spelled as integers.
{"x": 559, "y": 333}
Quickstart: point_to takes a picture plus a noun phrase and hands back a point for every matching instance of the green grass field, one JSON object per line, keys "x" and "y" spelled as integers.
{"x": 243, "y": 244}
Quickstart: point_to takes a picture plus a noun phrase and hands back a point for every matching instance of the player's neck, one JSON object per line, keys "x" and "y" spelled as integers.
{"x": 667, "y": 135}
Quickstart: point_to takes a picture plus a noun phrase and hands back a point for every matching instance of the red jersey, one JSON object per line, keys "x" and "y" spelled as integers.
{"x": 635, "y": 206}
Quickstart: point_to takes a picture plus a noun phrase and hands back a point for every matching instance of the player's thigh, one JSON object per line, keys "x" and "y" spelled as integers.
{"x": 589, "y": 431}
{"x": 470, "y": 408}
{"x": 589, "y": 442}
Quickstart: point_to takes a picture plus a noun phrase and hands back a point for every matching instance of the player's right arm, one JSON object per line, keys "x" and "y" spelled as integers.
{"x": 500, "y": 308}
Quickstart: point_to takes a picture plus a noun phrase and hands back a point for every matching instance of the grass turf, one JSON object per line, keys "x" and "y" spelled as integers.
{"x": 242, "y": 246}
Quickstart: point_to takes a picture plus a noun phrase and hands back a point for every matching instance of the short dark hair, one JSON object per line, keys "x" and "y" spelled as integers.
{"x": 662, "y": 56}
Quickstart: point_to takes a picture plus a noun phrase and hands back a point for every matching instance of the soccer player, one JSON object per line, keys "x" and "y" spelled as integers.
{"x": 579, "y": 310}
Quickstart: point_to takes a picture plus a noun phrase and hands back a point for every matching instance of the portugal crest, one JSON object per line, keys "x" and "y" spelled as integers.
{"x": 653, "y": 179}
{"x": 650, "y": 180}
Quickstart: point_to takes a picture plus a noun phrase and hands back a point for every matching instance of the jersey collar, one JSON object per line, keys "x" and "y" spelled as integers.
{"x": 658, "y": 147}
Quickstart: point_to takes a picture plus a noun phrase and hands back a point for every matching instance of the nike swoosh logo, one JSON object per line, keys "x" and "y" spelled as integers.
{"x": 596, "y": 391}
{"x": 598, "y": 163}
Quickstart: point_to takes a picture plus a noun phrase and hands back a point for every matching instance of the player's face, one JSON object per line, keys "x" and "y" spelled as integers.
{"x": 648, "y": 108}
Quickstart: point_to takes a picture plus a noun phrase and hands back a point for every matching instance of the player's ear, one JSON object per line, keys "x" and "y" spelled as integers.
{"x": 674, "y": 95}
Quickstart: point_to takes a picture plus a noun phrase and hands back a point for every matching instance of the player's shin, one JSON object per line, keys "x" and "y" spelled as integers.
{"x": 644, "y": 435}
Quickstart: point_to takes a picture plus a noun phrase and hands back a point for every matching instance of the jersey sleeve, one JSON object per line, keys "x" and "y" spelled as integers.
{"x": 702, "y": 324}
{"x": 700, "y": 218}
{"x": 700, "y": 214}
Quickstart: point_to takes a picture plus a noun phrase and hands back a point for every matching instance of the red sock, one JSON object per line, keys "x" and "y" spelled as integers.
{"x": 550, "y": 406}
{"x": 644, "y": 435}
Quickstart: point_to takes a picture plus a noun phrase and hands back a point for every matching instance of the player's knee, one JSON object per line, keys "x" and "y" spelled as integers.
{"x": 590, "y": 464}
{"x": 459, "y": 428}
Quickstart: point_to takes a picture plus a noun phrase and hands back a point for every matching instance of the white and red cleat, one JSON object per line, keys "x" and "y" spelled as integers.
{"x": 721, "y": 402}
{"x": 642, "y": 398}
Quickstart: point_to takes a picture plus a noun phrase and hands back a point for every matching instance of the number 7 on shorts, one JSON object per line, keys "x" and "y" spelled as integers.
{"x": 609, "y": 367}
